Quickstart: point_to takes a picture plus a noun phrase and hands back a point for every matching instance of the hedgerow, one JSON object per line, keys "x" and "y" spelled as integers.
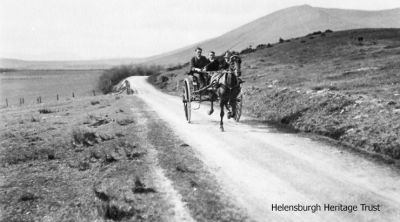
{"x": 113, "y": 76}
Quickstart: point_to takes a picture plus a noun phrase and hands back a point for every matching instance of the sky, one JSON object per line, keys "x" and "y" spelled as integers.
{"x": 100, "y": 29}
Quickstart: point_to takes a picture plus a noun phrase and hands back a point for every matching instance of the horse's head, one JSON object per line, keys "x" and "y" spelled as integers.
{"x": 235, "y": 62}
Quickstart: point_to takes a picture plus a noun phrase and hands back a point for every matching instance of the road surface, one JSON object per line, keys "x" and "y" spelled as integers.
{"x": 271, "y": 174}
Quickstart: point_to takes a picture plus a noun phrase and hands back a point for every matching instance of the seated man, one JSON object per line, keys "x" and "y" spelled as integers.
{"x": 197, "y": 64}
{"x": 213, "y": 64}
{"x": 225, "y": 64}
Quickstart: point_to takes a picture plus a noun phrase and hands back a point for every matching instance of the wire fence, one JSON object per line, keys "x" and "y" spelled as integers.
{"x": 31, "y": 99}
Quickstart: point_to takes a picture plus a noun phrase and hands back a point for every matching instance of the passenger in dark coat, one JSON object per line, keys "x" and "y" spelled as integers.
{"x": 213, "y": 64}
{"x": 197, "y": 64}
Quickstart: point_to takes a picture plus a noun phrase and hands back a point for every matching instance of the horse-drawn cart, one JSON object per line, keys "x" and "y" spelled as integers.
{"x": 191, "y": 92}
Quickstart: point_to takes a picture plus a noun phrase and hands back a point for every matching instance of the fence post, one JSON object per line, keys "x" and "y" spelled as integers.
{"x": 73, "y": 95}
{"x": 57, "y": 97}
{"x": 6, "y": 102}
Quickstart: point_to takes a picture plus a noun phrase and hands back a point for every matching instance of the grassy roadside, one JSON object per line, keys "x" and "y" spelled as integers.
{"x": 98, "y": 159}
{"x": 343, "y": 85}
{"x": 76, "y": 161}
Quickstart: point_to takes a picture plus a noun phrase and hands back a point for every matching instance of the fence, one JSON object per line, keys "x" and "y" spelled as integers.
{"x": 39, "y": 99}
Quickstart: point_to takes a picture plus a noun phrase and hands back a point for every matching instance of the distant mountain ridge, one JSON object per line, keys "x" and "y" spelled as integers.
{"x": 78, "y": 64}
{"x": 287, "y": 23}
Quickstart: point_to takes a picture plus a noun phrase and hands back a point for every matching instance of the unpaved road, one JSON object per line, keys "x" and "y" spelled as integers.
{"x": 259, "y": 167}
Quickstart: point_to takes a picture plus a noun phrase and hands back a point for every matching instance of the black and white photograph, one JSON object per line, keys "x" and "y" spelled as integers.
{"x": 199, "y": 110}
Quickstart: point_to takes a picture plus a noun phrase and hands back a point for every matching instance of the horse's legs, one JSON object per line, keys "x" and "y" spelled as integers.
{"x": 229, "y": 115}
{"x": 221, "y": 124}
{"x": 212, "y": 103}
{"x": 233, "y": 105}
{"x": 233, "y": 101}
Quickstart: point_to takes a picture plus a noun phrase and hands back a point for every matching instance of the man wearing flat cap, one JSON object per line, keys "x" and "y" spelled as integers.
{"x": 225, "y": 64}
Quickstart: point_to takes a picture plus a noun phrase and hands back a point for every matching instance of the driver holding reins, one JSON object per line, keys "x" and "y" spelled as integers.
{"x": 225, "y": 65}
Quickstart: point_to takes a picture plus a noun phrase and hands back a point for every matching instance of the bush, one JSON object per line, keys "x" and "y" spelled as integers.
{"x": 261, "y": 46}
{"x": 46, "y": 111}
{"x": 328, "y": 31}
{"x": 7, "y": 70}
{"x": 113, "y": 76}
{"x": 281, "y": 40}
{"x": 164, "y": 78}
{"x": 84, "y": 136}
{"x": 247, "y": 50}
{"x": 314, "y": 33}
{"x": 180, "y": 66}
{"x": 94, "y": 102}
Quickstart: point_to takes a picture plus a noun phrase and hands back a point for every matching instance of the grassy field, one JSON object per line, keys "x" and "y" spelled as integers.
{"x": 30, "y": 84}
{"x": 103, "y": 158}
{"x": 344, "y": 85}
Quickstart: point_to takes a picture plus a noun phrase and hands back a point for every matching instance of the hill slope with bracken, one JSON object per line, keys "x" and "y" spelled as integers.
{"x": 287, "y": 23}
{"x": 344, "y": 85}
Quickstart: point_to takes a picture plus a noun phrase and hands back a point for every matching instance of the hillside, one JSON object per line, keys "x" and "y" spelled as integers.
{"x": 343, "y": 85}
{"x": 267, "y": 29}
{"x": 281, "y": 24}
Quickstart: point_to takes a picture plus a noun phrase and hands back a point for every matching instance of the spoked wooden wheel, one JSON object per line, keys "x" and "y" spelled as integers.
{"x": 239, "y": 103}
{"x": 186, "y": 96}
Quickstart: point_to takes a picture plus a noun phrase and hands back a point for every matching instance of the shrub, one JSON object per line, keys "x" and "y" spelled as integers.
{"x": 94, "y": 102}
{"x": 124, "y": 122}
{"x": 247, "y": 50}
{"x": 7, "y": 70}
{"x": 35, "y": 119}
{"x": 261, "y": 46}
{"x": 281, "y": 40}
{"x": 84, "y": 136}
{"x": 46, "y": 111}
{"x": 113, "y": 76}
{"x": 180, "y": 66}
{"x": 314, "y": 33}
{"x": 164, "y": 78}
{"x": 328, "y": 31}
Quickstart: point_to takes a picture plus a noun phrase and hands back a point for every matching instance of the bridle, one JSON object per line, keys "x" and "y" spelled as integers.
{"x": 234, "y": 65}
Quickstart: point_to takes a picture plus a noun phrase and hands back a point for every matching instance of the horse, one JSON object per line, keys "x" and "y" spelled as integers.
{"x": 227, "y": 88}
